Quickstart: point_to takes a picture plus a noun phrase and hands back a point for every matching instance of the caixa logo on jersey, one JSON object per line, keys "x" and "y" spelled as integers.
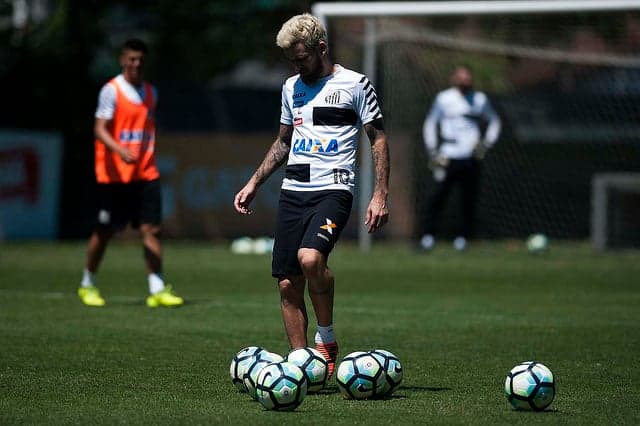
{"x": 133, "y": 136}
{"x": 315, "y": 145}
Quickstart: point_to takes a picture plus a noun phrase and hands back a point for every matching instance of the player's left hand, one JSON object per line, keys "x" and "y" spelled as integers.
{"x": 377, "y": 213}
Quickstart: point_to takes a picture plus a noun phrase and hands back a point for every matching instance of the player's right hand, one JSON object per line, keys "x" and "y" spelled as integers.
{"x": 243, "y": 199}
{"x": 126, "y": 155}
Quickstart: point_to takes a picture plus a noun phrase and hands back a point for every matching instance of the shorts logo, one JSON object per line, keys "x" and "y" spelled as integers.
{"x": 315, "y": 145}
{"x": 104, "y": 217}
{"x": 329, "y": 226}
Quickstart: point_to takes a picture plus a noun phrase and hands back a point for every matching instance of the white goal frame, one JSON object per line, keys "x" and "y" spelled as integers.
{"x": 370, "y": 10}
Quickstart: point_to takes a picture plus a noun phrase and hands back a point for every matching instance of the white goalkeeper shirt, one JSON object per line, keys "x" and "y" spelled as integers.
{"x": 461, "y": 120}
{"x": 326, "y": 117}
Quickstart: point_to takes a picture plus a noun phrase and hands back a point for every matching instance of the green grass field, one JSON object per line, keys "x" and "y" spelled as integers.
{"x": 458, "y": 322}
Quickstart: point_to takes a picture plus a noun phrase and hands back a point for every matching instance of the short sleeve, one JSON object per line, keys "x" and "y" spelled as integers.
{"x": 106, "y": 102}
{"x": 286, "y": 115}
{"x": 366, "y": 101}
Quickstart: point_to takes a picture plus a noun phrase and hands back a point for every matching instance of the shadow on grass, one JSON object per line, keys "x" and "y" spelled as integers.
{"x": 138, "y": 302}
{"x": 424, "y": 388}
{"x": 545, "y": 411}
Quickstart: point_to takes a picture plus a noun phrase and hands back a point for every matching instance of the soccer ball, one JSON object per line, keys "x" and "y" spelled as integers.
{"x": 530, "y": 386}
{"x": 360, "y": 376}
{"x": 537, "y": 243}
{"x": 263, "y": 245}
{"x": 313, "y": 364}
{"x": 242, "y": 245}
{"x": 251, "y": 375}
{"x": 239, "y": 364}
{"x": 281, "y": 386}
{"x": 392, "y": 369}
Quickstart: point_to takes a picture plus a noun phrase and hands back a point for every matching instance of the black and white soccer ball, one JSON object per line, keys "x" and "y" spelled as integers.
{"x": 392, "y": 370}
{"x": 281, "y": 386}
{"x": 537, "y": 243}
{"x": 315, "y": 367}
{"x": 530, "y": 386}
{"x": 240, "y": 362}
{"x": 250, "y": 377}
{"x": 360, "y": 376}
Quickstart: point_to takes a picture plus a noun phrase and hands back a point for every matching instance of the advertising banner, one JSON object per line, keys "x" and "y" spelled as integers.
{"x": 29, "y": 184}
{"x": 201, "y": 174}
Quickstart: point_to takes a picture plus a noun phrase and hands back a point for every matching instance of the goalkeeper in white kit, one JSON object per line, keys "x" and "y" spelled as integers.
{"x": 458, "y": 130}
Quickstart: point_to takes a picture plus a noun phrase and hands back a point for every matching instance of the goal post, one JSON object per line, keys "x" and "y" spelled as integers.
{"x": 371, "y": 37}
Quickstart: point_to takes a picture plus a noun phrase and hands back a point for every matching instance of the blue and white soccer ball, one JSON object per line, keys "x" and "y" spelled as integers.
{"x": 530, "y": 386}
{"x": 281, "y": 386}
{"x": 537, "y": 243}
{"x": 313, "y": 364}
{"x": 239, "y": 364}
{"x": 392, "y": 368}
{"x": 360, "y": 376}
{"x": 253, "y": 370}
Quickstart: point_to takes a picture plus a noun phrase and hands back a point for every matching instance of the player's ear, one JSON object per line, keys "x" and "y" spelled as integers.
{"x": 323, "y": 48}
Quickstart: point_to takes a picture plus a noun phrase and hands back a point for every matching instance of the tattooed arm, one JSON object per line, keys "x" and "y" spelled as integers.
{"x": 378, "y": 212}
{"x": 276, "y": 155}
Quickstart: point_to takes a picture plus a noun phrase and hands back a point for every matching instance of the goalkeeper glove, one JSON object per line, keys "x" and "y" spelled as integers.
{"x": 480, "y": 151}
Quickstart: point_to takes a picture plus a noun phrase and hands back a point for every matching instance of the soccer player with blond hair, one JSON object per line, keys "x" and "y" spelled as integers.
{"x": 324, "y": 107}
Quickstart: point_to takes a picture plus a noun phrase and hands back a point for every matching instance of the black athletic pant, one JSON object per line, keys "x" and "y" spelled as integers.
{"x": 466, "y": 173}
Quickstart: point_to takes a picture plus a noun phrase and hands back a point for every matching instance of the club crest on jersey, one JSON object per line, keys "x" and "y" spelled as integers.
{"x": 329, "y": 227}
{"x": 297, "y": 121}
{"x": 333, "y": 98}
{"x": 315, "y": 145}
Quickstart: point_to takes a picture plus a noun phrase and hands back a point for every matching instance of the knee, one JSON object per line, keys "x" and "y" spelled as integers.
{"x": 102, "y": 236}
{"x": 291, "y": 291}
{"x": 148, "y": 230}
{"x": 311, "y": 262}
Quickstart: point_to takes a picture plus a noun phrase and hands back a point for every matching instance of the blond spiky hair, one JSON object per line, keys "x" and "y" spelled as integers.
{"x": 305, "y": 28}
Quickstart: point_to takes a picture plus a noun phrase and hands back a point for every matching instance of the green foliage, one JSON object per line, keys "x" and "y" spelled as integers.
{"x": 458, "y": 323}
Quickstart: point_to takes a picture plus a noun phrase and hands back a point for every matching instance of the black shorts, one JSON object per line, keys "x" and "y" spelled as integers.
{"x": 307, "y": 220}
{"x": 120, "y": 204}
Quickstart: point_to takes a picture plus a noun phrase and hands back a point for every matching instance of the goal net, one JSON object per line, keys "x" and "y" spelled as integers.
{"x": 566, "y": 85}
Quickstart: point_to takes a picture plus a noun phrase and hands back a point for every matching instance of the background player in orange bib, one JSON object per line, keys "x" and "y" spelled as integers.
{"x": 128, "y": 179}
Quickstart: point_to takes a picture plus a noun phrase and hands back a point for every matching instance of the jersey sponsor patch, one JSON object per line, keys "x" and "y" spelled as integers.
{"x": 314, "y": 145}
{"x": 334, "y": 116}
{"x": 299, "y": 172}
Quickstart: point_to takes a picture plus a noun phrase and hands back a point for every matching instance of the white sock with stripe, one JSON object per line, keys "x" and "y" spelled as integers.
{"x": 325, "y": 334}
{"x": 156, "y": 283}
{"x": 87, "y": 278}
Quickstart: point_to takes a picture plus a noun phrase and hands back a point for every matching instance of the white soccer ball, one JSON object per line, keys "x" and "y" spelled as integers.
{"x": 537, "y": 243}
{"x": 360, "y": 376}
{"x": 253, "y": 370}
{"x": 263, "y": 245}
{"x": 392, "y": 369}
{"x": 239, "y": 364}
{"x": 281, "y": 386}
{"x": 530, "y": 386}
{"x": 315, "y": 367}
{"x": 242, "y": 245}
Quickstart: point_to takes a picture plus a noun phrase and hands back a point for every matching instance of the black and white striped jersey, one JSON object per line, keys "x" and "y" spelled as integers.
{"x": 326, "y": 117}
